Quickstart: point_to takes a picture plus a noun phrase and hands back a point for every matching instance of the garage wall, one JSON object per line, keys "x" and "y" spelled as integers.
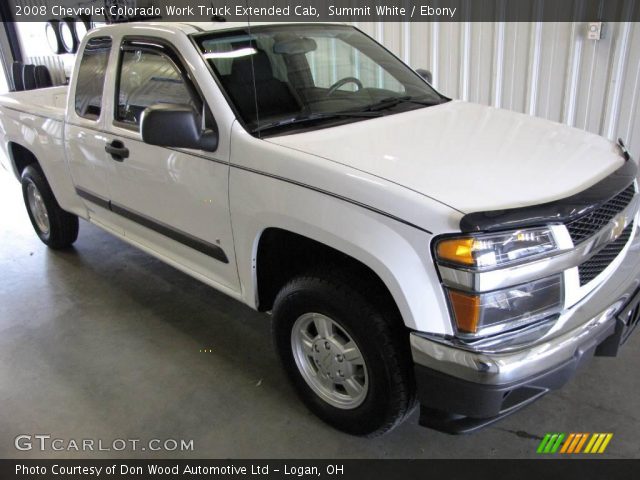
{"x": 546, "y": 69}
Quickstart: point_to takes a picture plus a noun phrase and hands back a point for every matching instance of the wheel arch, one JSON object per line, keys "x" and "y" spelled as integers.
{"x": 52, "y": 164}
{"x": 281, "y": 254}
{"x": 21, "y": 157}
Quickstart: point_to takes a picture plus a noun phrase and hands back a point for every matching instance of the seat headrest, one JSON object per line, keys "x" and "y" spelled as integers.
{"x": 241, "y": 69}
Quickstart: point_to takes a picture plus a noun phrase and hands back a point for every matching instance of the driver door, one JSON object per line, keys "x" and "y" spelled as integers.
{"x": 169, "y": 200}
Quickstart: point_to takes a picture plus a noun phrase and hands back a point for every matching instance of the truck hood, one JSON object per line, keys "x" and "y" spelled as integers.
{"x": 468, "y": 156}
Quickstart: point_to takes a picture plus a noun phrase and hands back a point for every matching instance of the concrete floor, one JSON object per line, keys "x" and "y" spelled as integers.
{"x": 104, "y": 342}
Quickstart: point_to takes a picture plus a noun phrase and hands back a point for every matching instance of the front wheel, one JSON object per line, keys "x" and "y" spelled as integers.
{"x": 55, "y": 227}
{"x": 344, "y": 354}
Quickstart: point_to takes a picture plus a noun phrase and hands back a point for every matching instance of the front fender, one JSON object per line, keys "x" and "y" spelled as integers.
{"x": 397, "y": 252}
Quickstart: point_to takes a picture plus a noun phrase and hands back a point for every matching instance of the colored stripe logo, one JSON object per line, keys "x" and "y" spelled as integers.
{"x": 573, "y": 443}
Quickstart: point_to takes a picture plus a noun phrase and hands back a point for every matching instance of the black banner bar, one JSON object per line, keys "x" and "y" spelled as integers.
{"x": 331, "y": 10}
{"x": 583, "y": 469}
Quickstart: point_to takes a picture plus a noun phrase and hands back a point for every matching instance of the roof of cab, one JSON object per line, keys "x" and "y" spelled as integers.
{"x": 197, "y": 27}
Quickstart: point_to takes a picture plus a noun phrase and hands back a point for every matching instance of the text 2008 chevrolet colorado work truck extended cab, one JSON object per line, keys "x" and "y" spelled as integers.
{"x": 411, "y": 248}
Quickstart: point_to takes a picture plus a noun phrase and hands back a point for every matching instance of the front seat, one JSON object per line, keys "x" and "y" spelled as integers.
{"x": 273, "y": 96}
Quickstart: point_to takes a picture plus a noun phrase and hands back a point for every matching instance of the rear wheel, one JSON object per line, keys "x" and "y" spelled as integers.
{"x": 346, "y": 356}
{"x": 55, "y": 227}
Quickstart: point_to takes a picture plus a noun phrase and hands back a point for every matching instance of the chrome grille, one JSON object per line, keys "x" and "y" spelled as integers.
{"x": 584, "y": 227}
{"x": 601, "y": 260}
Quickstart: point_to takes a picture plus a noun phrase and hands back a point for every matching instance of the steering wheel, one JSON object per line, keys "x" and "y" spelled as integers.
{"x": 341, "y": 82}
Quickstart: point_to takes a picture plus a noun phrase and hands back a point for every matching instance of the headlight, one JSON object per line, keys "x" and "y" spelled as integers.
{"x": 483, "y": 252}
{"x": 467, "y": 261}
{"x": 487, "y": 313}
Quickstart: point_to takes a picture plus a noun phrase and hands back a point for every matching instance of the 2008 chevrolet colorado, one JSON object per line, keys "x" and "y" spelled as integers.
{"x": 412, "y": 249}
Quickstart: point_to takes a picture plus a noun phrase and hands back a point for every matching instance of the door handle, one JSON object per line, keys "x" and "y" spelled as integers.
{"x": 117, "y": 150}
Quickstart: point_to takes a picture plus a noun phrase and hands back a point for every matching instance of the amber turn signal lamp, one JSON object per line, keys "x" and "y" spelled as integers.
{"x": 466, "y": 309}
{"x": 456, "y": 250}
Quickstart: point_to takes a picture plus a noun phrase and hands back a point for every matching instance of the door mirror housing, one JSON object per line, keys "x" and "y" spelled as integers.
{"x": 179, "y": 126}
{"x": 426, "y": 74}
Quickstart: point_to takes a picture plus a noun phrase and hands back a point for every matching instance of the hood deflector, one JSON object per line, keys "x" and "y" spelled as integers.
{"x": 558, "y": 211}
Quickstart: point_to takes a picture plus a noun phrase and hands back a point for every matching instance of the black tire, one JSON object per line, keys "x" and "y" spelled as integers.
{"x": 43, "y": 77}
{"x": 83, "y": 24}
{"x": 16, "y": 72}
{"x": 29, "y": 77}
{"x": 70, "y": 40}
{"x": 379, "y": 334}
{"x": 63, "y": 226}
{"x": 52, "y": 33}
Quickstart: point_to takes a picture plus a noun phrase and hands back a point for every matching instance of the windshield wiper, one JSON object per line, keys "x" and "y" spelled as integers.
{"x": 390, "y": 102}
{"x": 314, "y": 117}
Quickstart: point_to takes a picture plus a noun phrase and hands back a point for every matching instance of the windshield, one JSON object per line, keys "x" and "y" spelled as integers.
{"x": 280, "y": 76}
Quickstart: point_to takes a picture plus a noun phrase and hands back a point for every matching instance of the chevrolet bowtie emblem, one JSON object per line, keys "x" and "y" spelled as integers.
{"x": 618, "y": 226}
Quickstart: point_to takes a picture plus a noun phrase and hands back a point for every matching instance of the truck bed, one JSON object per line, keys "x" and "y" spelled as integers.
{"x": 45, "y": 102}
{"x": 34, "y": 120}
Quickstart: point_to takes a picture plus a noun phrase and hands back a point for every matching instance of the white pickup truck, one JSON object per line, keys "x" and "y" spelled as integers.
{"x": 412, "y": 249}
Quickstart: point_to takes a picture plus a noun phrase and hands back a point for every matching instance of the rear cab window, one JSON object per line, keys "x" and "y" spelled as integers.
{"x": 91, "y": 78}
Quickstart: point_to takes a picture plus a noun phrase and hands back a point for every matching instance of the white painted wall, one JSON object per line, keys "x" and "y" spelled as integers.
{"x": 546, "y": 69}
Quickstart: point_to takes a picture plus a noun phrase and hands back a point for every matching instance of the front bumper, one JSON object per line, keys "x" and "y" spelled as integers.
{"x": 461, "y": 390}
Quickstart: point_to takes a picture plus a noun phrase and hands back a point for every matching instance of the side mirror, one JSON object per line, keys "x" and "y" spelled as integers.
{"x": 176, "y": 126}
{"x": 426, "y": 74}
